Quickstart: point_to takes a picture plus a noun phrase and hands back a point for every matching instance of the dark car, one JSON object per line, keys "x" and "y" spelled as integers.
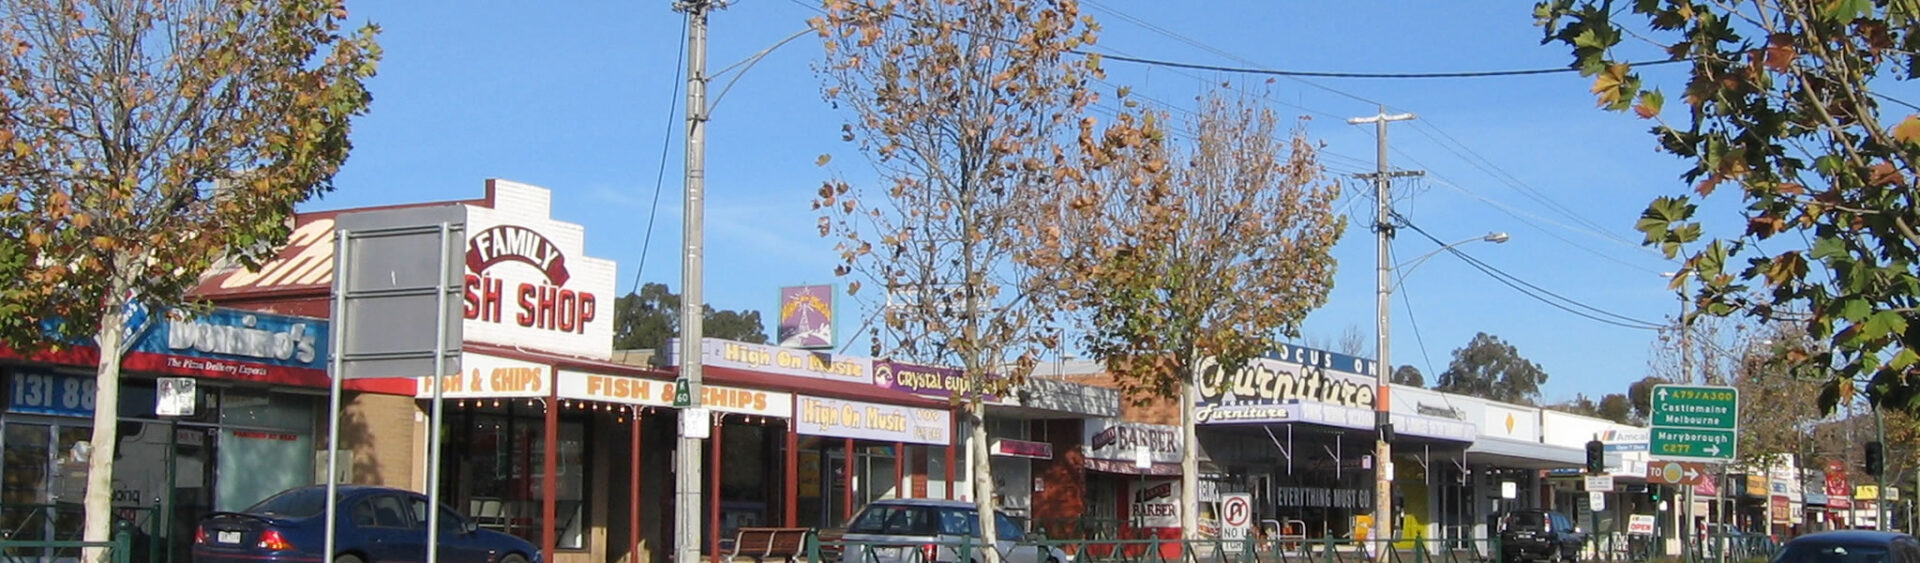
{"x": 1539, "y": 535}
{"x": 1850, "y": 546}
{"x": 373, "y": 524}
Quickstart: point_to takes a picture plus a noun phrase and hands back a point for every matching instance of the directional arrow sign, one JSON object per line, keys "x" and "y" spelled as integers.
{"x": 1694, "y": 422}
{"x": 1693, "y": 444}
{"x": 1695, "y": 406}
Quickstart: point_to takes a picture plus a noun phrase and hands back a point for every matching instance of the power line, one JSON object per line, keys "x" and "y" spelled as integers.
{"x": 1535, "y": 291}
{"x": 659, "y": 177}
{"x": 1411, "y": 321}
{"x": 1328, "y": 74}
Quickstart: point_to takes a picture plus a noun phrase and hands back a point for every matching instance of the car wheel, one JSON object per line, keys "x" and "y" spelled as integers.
{"x": 513, "y": 558}
{"x": 348, "y": 558}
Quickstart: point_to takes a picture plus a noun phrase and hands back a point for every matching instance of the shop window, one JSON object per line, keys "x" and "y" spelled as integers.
{"x": 264, "y": 410}
{"x": 496, "y": 461}
{"x": 256, "y": 464}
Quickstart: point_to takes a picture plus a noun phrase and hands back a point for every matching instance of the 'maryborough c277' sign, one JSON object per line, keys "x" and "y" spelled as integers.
{"x": 1265, "y": 390}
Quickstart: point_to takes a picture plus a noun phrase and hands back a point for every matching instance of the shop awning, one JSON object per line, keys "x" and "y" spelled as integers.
{"x": 1524, "y": 455}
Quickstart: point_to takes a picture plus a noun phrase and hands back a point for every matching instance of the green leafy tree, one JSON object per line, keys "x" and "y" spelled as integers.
{"x": 1616, "y": 407}
{"x": 1409, "y": 375}
{"x": 1580, "y": 405}
{"x": 1640, "y": 394}
{"x": 140, "y": 141}
{"x": 1490, "y": 368}
{"x": 1171, "y": 309}
{"x": 1781, "y": 109}
{"x": 649, "y": 318}
{"x": 965, "y": 108}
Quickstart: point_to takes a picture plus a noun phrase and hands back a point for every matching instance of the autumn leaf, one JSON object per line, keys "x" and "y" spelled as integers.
{"x": 1609, "y": 84}
{"x": 822, "y": 161}
{"x": 1908, "y": 130}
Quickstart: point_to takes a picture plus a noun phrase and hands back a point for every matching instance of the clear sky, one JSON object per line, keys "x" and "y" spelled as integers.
{"x": 581, "y": 97}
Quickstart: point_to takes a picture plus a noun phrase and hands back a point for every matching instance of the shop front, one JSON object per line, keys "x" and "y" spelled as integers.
{"x": 1296, "y": 431}
{"x": 218, "y": 410}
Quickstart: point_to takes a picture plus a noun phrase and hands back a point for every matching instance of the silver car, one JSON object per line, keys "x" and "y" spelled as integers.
{"x": 930, "y": 531}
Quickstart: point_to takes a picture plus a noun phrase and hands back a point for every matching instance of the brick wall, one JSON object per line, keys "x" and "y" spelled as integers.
{"x": 380, "y": 431}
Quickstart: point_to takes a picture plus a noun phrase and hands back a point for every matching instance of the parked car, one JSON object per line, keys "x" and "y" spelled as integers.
{"x": 373, "y": 524}
{"x": 1850, "y": 546}
{"x": 1537, "y": 534}
{"x": 928, "y": 531}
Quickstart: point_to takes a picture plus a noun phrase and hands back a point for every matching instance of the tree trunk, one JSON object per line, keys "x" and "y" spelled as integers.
{"x": 982, "y": 461}
{"x": 1189, "y": 461}
{"x": 106, "y": 417}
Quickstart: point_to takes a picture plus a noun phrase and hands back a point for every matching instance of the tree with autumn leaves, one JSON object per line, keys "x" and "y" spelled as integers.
{"x": 1185, "y": 251}
{"x": 964, "y": 108}
{"x": 141, "y": 141}
{"x": 1781, "y": 110}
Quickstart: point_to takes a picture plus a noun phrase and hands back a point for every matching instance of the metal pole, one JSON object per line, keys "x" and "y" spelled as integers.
{"x": 341, "y": 258}
{"x": 1383, "y": 230}
{"x": 1880, "y": 477}
{"x": 687, "y": 453}
{"x": 434, "y": 437}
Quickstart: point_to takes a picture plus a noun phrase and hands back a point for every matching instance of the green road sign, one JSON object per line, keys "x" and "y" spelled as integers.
{"x": 1695, "y": 406}
{"x": 1694, "y": 422}
{"x": 681, "y": 396}
{"x": 1692, "y": 444}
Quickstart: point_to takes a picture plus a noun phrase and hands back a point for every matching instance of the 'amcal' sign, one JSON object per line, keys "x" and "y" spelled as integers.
{"x": 528, "y": 282}
{"x": 490, "y": 377}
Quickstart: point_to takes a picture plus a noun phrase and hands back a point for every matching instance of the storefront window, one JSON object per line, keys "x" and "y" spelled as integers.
{"x": 495, "y": 460}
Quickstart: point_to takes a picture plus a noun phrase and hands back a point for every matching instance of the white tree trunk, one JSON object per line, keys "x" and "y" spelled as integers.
{"x": 106, "y": 419}
{"x": 979, "y": 454}
{"x": 1189, "y": 463}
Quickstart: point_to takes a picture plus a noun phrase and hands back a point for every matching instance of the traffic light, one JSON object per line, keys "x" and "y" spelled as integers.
{"x": 1653, "y": 493}
{"x": 1596, "y": 457}
{"x": 1875, "y": 459}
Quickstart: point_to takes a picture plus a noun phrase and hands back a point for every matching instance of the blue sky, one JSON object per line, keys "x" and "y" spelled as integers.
{"x": 580, "y": 97}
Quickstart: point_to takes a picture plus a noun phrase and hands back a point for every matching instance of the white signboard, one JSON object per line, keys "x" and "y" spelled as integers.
{"x": 176, "y": 397}
{"x": 785, "y": 361}
{"x": 529, "y": 282}
{"x": 1236, "y": 518}
{"x": 490, "y": 377}
{"x": 655, "y": 393}
{"x": 1509, "y": 490}
{"x": 1596, "y": 501}
{"x": 838, "y": 418}
{"x": 1114, "y": 446}
{"x": 1600, "y": 483}
{"x": 1640, "y": 524}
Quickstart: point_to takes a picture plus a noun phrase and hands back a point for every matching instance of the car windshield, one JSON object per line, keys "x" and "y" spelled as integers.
{"x": 1527, "y": 520}
{"x": 894, "y": 520}
{"x": 295, "y": 503}
{"x": 1831, "y": 553}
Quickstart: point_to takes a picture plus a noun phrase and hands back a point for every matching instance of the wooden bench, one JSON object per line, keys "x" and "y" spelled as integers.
{"x": 762, "y": 545}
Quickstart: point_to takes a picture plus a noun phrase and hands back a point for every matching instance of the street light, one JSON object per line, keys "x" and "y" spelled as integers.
{"x": 1383, "y": 370}
{"x": 1407, "y": 267}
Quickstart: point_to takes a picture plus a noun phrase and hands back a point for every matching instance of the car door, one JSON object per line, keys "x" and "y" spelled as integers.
{"x": 392, "y": 536}
{"x": 1008, "y": 536}
{"x": 455, "y": 543}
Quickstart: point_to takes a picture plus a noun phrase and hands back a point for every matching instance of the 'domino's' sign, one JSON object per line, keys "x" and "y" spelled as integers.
{"x": 233, "y": 343}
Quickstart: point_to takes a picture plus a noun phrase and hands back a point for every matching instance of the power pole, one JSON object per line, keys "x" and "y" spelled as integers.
{"x": 694, "y": 423}
{"x": 1382, "y": 417}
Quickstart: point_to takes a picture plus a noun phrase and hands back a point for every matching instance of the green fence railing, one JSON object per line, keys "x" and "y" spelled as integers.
{"x": 119, "y": 550}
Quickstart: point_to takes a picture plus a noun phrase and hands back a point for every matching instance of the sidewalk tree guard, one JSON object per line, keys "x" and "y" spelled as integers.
{"x": 114, "y": 221}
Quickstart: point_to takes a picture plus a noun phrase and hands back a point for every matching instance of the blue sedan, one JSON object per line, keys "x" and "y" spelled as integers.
{"x": 1851, "y": 546}
{"x": 375, "y": 524}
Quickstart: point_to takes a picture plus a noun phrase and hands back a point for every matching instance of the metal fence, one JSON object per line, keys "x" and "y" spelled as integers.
{"x": 119, "y": 550}
{"x": 1736, "y": 548}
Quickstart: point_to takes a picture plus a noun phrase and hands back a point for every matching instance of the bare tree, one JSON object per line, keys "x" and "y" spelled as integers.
{"x": 963, "y": 107}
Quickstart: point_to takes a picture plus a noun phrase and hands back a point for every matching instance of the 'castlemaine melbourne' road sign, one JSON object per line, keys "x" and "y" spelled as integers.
{"x": 1694, "y": 422}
